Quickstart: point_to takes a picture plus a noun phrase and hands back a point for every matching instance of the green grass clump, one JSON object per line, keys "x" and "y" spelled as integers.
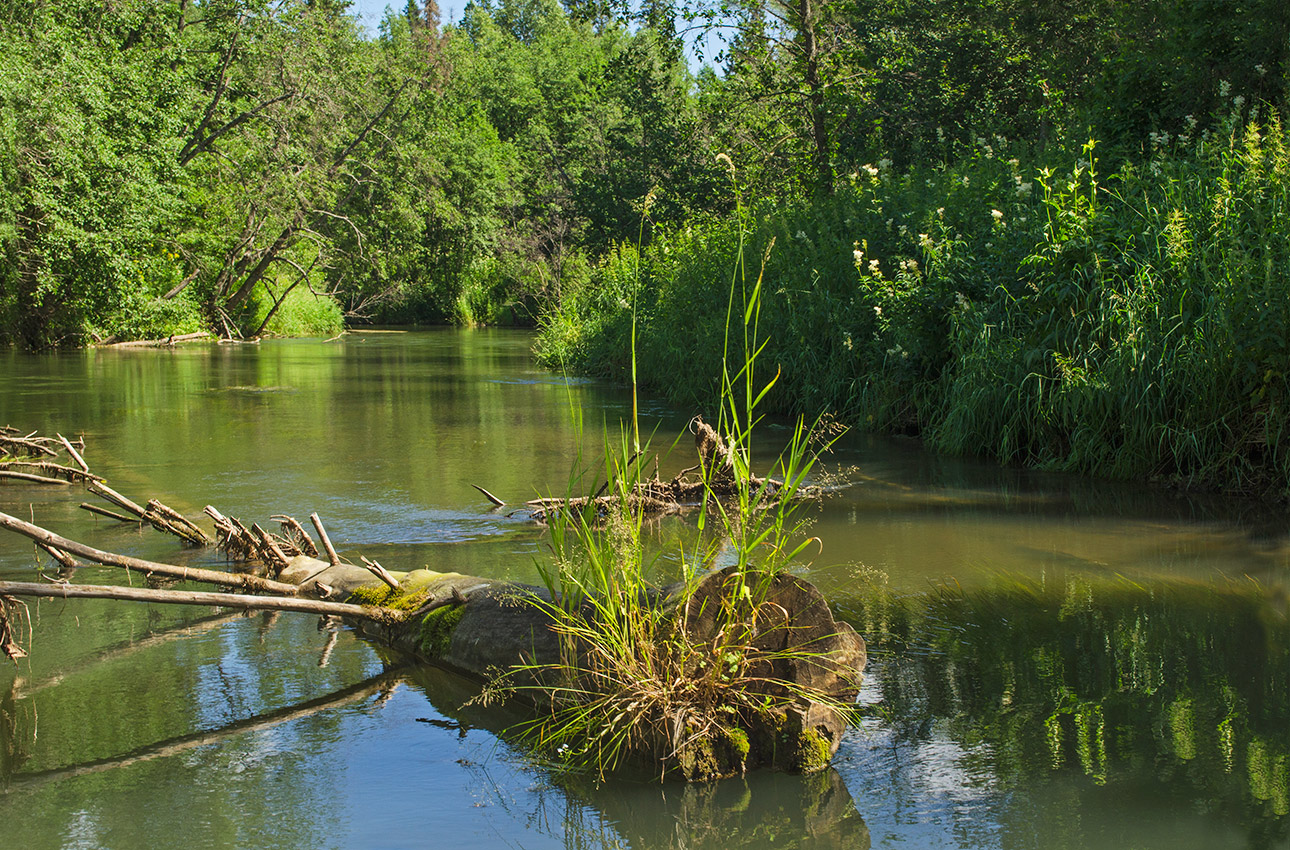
{"x": 639, "y": 680}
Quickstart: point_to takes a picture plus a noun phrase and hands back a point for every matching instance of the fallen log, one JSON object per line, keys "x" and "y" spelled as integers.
{"x": 794, "y": 676}
{"x": 158, "y": 343}
{"x": 776, "y": 693}
{"x": 803, "y": 665}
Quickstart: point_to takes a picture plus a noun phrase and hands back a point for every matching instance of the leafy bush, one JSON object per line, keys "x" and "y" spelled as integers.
{"x": 1030, "y": 306}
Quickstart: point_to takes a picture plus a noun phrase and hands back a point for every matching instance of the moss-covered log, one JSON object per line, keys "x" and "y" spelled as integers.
{"x": 803, "y": 664}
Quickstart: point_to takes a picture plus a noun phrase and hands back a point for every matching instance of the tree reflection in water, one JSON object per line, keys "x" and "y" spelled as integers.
{"x": 1172, "y": 692}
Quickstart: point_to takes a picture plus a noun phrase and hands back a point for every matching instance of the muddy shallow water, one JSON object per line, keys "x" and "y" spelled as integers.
{"x": 1056, "y": 662}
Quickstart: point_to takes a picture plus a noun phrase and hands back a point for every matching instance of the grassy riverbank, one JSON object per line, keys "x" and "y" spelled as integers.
{"x": 1129, "y": 320}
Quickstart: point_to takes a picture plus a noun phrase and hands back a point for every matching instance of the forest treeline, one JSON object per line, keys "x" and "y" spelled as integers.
{"x": 1055, "y": 232}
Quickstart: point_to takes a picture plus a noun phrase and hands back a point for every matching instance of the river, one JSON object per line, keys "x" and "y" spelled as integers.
{"x": 1055, "y": 662}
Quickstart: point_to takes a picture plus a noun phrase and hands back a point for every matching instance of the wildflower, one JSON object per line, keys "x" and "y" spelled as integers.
{"x": 1014, "y": 162}
{"x": 910, "y": 266}
{"x": 1191, "y": 121}
{"x": 873, "y": 268}
{"x": 940, "y": 212}
{"x": 801, "y": 235}
{"x": 1023, "y": 189}
{"x": 1224, "y": 88}
{"x": 877, "y": 311}
{"x": 961, "y": 302}
{"x": 884, "y": 164}
{"x": 1260, "y": 70}
{"x": 925, "y": 241}
{"x": 890, "y": 222}
{"x": 1238, "y": 101}
{"x": 996, "y": 215}
{"x": 989, "y": 245}
{"x": 940, "y": 134}
{"x": 903, "y": 230}
{"x": 869, "y": 169}
{"x": 859, "y": 256}
{"x": 965, "y": 179}
{"x": 846, "y": 341}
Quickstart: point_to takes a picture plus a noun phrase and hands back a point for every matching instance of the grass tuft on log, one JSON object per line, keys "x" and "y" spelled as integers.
{"x": 704, "y": 679}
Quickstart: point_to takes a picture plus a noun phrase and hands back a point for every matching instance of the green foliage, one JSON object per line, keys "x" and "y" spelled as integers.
{"x": 1021, "y": 304}
{"x": 300, "y": 312}
{"x": 92, "y": 108}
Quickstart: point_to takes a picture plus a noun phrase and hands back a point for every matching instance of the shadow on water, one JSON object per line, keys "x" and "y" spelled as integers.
{"x": 1135, "y": 698}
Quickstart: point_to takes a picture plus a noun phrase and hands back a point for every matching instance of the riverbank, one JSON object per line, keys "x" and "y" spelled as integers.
{"x": 1128, "y": 321}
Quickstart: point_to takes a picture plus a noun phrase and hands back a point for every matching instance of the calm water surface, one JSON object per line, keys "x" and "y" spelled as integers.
{"x": 1055, "y": 662}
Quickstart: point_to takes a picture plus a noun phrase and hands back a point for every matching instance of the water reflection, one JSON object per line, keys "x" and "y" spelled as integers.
{"x": 761, "y": 810}
{"x": 1169, "y": 695}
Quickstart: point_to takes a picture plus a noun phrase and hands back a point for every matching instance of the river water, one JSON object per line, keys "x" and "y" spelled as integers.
{"x": 1055, "y": 662}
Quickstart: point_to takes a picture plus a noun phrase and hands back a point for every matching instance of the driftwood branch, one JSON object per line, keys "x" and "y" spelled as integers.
{"x": 30, "y": 445}
{"x": 35, "y": 479}
{"x": 73, "y": 453}
{"x": 155, "y": 514}
{"x": 489, "y": 496}
{"x": 240, "y": 581}
{"x": 47, "y": 467}
{"x": 95, "y": 509}
{"x": 197, "y": 597}
{"x": 375, "y": 568}
{"x": 332, "y": 557}
{"x": 296, "y": 533}
{"x": 64, "y": 559}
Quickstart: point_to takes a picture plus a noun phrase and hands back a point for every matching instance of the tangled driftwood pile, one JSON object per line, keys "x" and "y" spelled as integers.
{"x": 476, "y": 625}
{"x": 714, "y": 476}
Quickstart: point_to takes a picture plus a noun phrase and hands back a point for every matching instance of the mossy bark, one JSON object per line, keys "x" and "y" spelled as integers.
{"x": 803, "y": 662}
